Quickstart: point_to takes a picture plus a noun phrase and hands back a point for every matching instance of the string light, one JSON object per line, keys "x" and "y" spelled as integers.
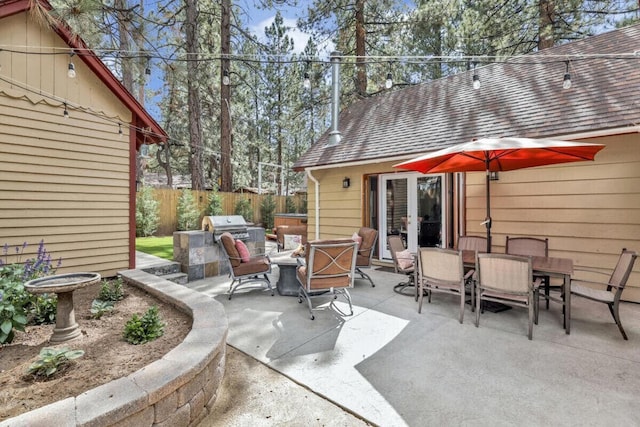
{"x": 306, "y": 83}
{"x": 389, "y": 82}
{"x": 71, "y": 72}
{"x": 226, "y": 80}
{"x": 566, "y": 83}
{"x": 65, "y": 113}
{"x": 120, "y": 130}
{"x": 476, "y": 78}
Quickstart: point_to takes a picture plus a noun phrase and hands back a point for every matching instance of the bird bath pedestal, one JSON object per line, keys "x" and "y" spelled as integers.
{"x": 63, "y": 285}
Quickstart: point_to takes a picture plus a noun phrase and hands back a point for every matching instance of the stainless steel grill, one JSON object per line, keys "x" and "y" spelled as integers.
{"x": 233, "y": 224}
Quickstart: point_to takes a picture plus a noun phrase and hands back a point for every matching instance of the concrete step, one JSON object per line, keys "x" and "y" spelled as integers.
{"x": 163, "y": 269}
{"x": 179, "y": 278}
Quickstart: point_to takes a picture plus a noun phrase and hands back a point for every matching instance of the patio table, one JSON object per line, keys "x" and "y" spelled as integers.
{"x": 544, "y": 266}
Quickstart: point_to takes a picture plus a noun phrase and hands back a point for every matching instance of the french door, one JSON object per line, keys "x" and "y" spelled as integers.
{"x": 411, "y": 205}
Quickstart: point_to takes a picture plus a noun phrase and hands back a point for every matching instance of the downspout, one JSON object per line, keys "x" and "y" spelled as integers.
{"x": 317, "y": 204}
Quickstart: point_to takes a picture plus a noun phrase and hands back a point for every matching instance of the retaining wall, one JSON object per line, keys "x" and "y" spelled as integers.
{"x": 177, "y": 390}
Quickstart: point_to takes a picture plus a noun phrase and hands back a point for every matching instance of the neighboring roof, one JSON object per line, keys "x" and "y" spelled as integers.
{"x": 148, "y": 131}
{"x": 517, "y": 98}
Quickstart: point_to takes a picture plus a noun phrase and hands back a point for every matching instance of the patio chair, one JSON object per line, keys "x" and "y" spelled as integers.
{"x": 441, "y": 270}
{"x": 614, "y": 286}
{"x": 243, "y": 267}
{"x": 531, "y": 246}
{"x": 507, "y": 279}
{"x": 475, "y": 244}
{"x": 403, "y": 263}
{"x": 366, "y": 247}
{"x": 329, "y": 269}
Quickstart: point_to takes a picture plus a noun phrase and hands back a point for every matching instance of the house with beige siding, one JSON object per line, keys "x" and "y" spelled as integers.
{"x": 589, "y": 211}
{"x": 67, "y": 147}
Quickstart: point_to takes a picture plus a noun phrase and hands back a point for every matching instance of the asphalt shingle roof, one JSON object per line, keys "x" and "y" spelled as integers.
{"x": 521, "y": 97}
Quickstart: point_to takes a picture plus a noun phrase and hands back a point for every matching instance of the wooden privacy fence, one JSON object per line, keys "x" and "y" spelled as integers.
{"x": 168, "y": 199}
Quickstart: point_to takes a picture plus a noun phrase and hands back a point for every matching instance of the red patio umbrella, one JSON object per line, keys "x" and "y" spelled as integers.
{"x": 500, "y": 154}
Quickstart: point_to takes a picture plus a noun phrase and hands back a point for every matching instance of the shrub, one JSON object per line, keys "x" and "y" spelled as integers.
{"x": 139, "y": 330}
{"x": 50, "y": 360}
{"x": 187, "y": 212}
{"x": 290, "y": 205}
{"x": 267, "y": 210}
{"x": 243, "y": 207}
{"x": 147, "y": 213}
{"x": 214, "y": 204}
{"x": 111, "y": 290}
{"x": 16, "y": 304}
{"x": 43, "y": 309}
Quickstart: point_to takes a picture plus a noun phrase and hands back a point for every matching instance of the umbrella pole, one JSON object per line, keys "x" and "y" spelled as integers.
{"x": 487, "y": 220}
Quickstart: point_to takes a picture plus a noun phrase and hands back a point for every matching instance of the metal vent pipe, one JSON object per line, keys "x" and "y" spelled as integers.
{"x": 334, "y": 135}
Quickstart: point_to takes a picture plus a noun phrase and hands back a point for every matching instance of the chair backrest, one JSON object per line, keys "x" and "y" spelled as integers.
{"x": 330, "y": 264}
{"x": 440, "y": 265}
{"x": 623, "y": 269}
{"x": 396, "y": 246}
{"x": 527, "y": 246}
{"x": 472, "y": 243}
{"x": 228, "y": 244}
{"x": 506, "y": 273}
{"x": 366, "y": 248}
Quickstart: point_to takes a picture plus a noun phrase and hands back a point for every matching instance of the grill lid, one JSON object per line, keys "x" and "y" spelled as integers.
{"x": 218, "y": 224}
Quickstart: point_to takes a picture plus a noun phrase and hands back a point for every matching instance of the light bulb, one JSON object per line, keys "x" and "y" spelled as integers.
{"x": 119, "y": 130}
{"x": 566, "y": 83}
{"x": 71, "y": 72}
{"x": 476, "y": 81}
{"x": 306, "y": 82}
{"x": 389, "y": 83}
{"x": 225, "y": 78}
{"x": 65, "y": 113}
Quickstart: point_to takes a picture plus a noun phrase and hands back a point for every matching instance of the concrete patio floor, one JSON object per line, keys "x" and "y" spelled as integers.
{"x": 392, "y": 366}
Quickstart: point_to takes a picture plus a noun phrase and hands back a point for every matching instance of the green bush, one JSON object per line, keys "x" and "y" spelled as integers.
{"x": 16, "y": 304}
{"x": 187, "y": 212}
{"x": 290, "y": 205}
{"x": 267, "y": 210}
{"x": 147, "y": 213}
{"x": 43, "y": 309}
{"x": 243, "y": 207}
{"x": 111, "y": 290}
{"x": 139, "y": 330}
{"x": 50, "y": 360}
{"x": 214, "y": 204}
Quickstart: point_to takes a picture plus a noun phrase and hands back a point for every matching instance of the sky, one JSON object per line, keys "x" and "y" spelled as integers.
{"x": 258, "y": 19}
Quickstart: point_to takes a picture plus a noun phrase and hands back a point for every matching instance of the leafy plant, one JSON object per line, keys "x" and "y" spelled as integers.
{"x": 16, "y": 304}
{"x": 268, "y": 209}
{"x": 214, "y": 204}
{"x": 243, "y": 207}
{"x": 147, "y": 212}
{"x": 139, "y": 330}
{"x": 187, "y": 211}
{"x": 50, "y": 360}
{"x": 111, "y": 290}
{"x": 43, "y": 309}
{"x": 99, "y": 308}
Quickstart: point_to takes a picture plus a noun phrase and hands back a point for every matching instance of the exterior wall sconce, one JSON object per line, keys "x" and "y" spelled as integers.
{"x": 493, "y": 176}
{"x": 346, "y": 182}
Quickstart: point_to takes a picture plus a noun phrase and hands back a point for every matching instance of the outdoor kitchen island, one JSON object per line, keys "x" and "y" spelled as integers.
{"x": 200, "y": 255}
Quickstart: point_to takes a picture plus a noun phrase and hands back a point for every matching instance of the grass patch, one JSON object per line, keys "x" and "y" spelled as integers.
{"x": 159, "y": 246}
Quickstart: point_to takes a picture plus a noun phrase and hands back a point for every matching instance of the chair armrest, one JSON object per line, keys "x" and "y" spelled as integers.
{"x": 537, "y": 283}
{"x": 469, "y": 274}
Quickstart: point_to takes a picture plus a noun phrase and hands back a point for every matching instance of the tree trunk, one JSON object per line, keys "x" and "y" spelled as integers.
{"x": 226, "y": 171}
{"x": 195, "y": 126}
{"x": 547, "y": 11}
{"x": 360, "y": 49}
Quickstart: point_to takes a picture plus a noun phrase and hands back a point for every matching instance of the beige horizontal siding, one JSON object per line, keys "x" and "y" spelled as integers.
{"x": 62, "y": 180}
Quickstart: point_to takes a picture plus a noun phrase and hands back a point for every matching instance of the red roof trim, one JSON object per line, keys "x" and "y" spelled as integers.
{"x": 141, "y": 117}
